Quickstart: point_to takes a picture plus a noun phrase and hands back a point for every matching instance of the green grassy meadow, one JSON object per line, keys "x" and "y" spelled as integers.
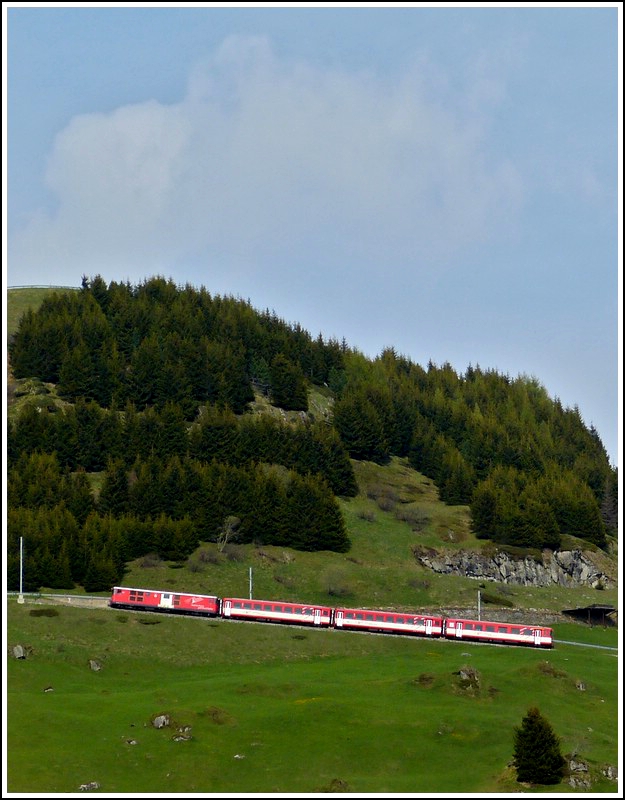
{"x": 280, "y": 709}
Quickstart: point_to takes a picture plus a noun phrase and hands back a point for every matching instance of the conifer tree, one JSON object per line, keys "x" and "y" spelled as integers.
{"x": 215, "y": 436}
{"x": 235, "y": 389}
{"x": 101, "y": 573}
{"x": 62, "y": 577}
{"x": 288, "y": 385}
{"x": 78, "y": 496}
{"x": 89, "y": 421}
{"x": 484, "y": 512}
{"x": 609, "y": 504}
{"x": 360, "y": 428}
{"x": 537, "y": 755}
{"x": 455, "y": 478}
{"x": 114, "y": 495}
{"x": 77, "y": 374}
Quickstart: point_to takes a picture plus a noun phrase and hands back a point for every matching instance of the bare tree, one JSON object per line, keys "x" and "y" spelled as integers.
{"x": 229, "y": 531}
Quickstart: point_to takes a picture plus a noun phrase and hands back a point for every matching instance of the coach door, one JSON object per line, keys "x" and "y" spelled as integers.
{"x": 166, "y": 600}
{"x": 537, "y": 633}
{"x": 317, "y": 620}
{"x": 428, "y": 627}
{"x": 338, "y": 619}
{"x": 459, "y": 630}
{"x": 227, "y": 607}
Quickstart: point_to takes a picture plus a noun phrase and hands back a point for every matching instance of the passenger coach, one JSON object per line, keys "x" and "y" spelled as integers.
{"x": 501, "y": 632}
{"x": 387, "y": 622}
{"x": 276, "y": 611}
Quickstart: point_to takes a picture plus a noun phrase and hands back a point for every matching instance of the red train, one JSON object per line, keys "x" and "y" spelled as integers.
{"x": 320, "y": 616}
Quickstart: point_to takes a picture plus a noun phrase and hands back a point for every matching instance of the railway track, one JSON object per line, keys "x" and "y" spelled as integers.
{"x": 88, "y": 601}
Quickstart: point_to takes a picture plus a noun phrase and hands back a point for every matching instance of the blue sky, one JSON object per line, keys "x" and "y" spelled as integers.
{"x": 441, "y": 180}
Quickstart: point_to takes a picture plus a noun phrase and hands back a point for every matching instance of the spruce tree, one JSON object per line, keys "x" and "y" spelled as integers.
{"x": 114, "y": 495}
{"x": 537, "y": 755}
{"x": 288, "y": 385}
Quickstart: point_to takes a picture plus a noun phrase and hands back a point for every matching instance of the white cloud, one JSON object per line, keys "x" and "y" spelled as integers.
{"x": 263, "y": 159}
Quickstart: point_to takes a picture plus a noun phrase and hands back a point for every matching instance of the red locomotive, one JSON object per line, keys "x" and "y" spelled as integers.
{"x": 279, "y": 611}
{"x": 203, "y": 605}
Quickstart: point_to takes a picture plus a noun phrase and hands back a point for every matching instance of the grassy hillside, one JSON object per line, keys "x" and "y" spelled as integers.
{"x": 271, "y": 709}
{"x": 378, "y": 571}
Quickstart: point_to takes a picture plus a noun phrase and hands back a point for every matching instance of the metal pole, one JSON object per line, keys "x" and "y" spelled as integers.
{"x": 479, "y": 602}
{"x": 20, "y": 598}
{"x": 250, "y": 583}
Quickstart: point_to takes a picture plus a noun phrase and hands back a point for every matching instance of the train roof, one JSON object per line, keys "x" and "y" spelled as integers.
{"x": 391, "y": 611}
{"x": 160, "y": 591}
{"x": 498, "y": 622}
{"x": 279, "y": 602}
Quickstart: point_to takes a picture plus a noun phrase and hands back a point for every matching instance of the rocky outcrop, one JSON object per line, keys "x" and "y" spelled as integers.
{"x": 568, "y": 568}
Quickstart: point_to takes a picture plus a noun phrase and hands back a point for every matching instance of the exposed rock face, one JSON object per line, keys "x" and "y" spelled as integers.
{"x": 568, "y": 568}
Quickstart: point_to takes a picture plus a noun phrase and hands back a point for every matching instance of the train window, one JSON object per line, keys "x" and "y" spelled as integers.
{"x": 350, "y": 615}
{"x": 468, "y": 626}
{"x": 277, "y": 608}
{"x": 490, "y": 628}
{"x": 478, "y": 628}
{"x": 359, "y": 616}
{"x": 267, "y": 607}
{"x": 370, "y": 617}
{"x": 258, "y": 607}
{"x": 502, "y": 629}
{"x": 389, "y": 618}
{"x": 379, "y": 618}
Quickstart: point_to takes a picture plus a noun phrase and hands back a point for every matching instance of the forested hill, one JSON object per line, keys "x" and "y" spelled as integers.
{"x": 157, "y": 387}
